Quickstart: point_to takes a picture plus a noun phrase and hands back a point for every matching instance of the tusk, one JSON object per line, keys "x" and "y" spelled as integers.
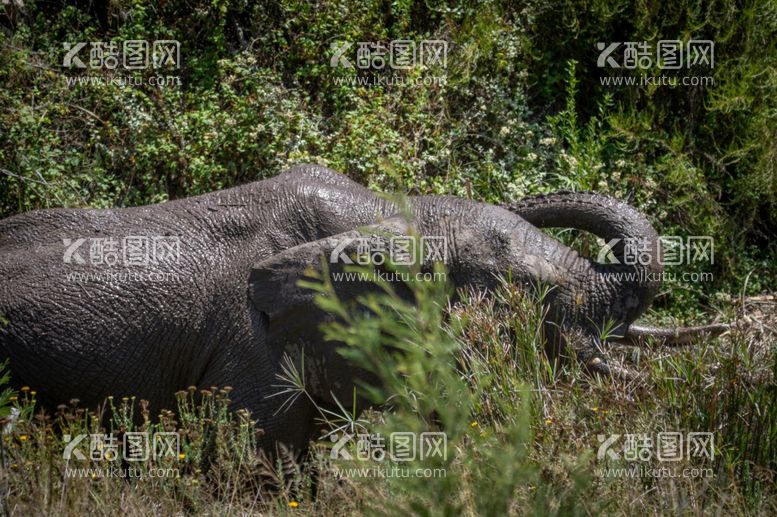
{"x": 673, "y": 336}
{"x": 605, "y": 369}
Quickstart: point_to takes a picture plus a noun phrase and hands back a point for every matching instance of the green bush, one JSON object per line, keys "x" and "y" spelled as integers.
{"x": 522, "y": 111}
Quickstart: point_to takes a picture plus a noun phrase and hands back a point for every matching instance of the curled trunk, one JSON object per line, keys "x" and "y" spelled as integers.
{"x": 636, "y": 282}
{"x": 621, "y": 226}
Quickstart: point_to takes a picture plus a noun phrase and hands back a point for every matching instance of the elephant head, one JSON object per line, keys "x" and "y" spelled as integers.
{"x": 631, "y": 283}
{"x": 485, "y": 242}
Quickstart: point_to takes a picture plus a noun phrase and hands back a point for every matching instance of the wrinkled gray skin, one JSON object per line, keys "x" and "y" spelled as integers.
{"x": 234, "y": 310}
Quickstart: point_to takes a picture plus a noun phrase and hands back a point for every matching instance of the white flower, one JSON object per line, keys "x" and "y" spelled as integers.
{"x": 620, "y": 163}
{"x": 547, "y": 141}
{"x": 531, "y": 157}
{"x": 504, "y": 131}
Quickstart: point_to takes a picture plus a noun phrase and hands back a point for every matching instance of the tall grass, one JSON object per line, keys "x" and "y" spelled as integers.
{"x": 521, "y": 430}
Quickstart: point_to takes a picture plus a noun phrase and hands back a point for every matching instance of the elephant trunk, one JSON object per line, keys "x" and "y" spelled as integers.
{"x": 625, "y": 231}
{"x": 630, "y": 236}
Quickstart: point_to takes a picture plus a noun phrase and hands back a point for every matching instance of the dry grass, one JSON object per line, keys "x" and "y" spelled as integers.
{"x": 522, "y": 439}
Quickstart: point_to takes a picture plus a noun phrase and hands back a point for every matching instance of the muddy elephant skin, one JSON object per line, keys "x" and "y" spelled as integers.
{"x": 149, "y": 300}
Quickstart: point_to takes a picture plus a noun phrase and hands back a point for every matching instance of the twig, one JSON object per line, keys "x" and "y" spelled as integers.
{"x": 90, "y": 113}
{"x": 23, "y": 178}
{"x": 763, "y": 298}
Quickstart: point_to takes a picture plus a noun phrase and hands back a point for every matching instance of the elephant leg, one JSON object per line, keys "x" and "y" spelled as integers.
{"x": 287, "y": 324}
{"x": 250, "y": 368}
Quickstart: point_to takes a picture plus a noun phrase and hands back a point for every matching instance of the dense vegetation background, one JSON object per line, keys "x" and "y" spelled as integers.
{"x": 522, "y": 112}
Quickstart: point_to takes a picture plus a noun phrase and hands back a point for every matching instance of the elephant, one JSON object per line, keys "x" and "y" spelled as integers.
{"x": 88, "y": 312}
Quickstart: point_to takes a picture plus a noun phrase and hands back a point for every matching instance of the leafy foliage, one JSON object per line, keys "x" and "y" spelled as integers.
{"x": 522, "y": 111}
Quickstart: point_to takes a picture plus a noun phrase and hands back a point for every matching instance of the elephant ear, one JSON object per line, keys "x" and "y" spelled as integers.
{"x": 289, "y": 310}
